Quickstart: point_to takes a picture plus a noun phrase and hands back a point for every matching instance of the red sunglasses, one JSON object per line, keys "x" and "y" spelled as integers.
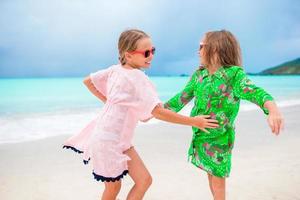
{"x": 146, "y": 53}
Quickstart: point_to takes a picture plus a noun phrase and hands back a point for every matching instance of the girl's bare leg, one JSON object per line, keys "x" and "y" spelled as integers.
{"x": 210, "y": 183}
{"x": 139, "y": 174}
{"x": 111, "y": 190}
{"x": 218, "y": 186}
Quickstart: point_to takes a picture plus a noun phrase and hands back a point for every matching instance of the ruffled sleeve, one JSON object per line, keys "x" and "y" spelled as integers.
{"x": 148, "y": 100}
{"x": 99, "y": 80}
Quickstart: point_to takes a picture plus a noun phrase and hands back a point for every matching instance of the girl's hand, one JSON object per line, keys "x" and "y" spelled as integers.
{"x": 200, "y": 122}
{"x": 276, "y": 122}
{"x": 204, "y": 121}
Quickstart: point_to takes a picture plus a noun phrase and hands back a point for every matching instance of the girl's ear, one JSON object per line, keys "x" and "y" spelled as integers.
{"x": 128, "y": 56}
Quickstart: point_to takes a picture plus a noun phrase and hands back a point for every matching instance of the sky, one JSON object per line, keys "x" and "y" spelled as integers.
{"x": 56, "y": 38}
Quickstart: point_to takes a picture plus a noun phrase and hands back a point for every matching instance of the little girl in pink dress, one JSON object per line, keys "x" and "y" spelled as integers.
{"x": 130, "y": 97}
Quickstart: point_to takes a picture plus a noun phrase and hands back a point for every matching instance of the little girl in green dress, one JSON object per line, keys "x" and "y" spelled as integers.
{"x": 218, "y": 86}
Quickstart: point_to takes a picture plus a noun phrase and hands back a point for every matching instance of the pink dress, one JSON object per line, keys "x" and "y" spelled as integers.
{"x": 131, "y": 97}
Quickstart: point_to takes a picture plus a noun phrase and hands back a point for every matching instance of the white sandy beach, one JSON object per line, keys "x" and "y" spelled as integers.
{"x": 265, "y": 167}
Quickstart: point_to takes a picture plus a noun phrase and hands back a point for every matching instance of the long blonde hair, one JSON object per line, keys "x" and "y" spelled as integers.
{"x": 221, "y": 47}
{"x": 128, "y": 42}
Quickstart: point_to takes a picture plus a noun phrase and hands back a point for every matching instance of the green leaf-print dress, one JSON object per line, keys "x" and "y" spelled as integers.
{"x": 217, "y": 95}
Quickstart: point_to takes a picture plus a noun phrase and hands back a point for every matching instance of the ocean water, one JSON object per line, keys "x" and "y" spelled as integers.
{"x": 35, "y": 108}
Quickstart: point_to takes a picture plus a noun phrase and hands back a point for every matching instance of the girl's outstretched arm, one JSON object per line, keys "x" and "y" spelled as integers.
{"x": 275, "y": 120}
{"x": 245, "y": 89}
{"x": 88, "y": 83}
{"x": 200, "y": 122}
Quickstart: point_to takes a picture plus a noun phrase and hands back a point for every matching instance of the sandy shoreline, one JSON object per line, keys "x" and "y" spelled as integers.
{"x": 264, "y": 166}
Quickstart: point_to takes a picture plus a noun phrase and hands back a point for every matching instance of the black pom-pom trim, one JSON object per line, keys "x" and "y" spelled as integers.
{"x": 109, "y": 179}
{"x": 72, "y": 148}
{"x": 86, "y": 161}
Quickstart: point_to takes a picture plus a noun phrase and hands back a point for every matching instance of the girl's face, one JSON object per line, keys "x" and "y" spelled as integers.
{"x": 201, "y": 51}
{"x": 204, "y": 59}
{"x": 142, "y": 56}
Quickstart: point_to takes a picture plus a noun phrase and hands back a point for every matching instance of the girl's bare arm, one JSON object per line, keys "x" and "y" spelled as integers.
{"x": 200, "y": 122}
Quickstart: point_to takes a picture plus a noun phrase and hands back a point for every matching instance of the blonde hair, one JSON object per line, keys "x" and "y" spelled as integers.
{"x": 221, "y": 47}
{"x": 128, "y": 42}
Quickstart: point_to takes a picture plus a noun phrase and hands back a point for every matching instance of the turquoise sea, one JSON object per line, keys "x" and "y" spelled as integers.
{"x": 32, "y": 95}
{"x": 34, "y": 108}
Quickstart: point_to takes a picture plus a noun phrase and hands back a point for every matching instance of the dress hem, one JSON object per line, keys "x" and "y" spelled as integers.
{"x": 109, "y": 179}
{"x": 77, "y": 151}
{"x": 207, "y": 171}
{"x": 72, "y": 148}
